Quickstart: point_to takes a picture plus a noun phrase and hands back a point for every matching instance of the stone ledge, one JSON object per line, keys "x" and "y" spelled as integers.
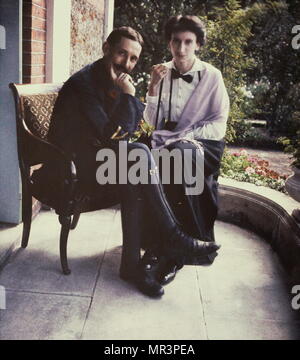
{"x": 266, "y": 212}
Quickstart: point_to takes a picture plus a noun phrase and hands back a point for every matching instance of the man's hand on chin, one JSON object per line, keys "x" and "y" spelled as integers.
{"x": 123, "y": 81}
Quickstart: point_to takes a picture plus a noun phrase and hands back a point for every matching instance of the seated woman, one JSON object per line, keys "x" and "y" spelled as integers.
{"x": 188, "y": 105}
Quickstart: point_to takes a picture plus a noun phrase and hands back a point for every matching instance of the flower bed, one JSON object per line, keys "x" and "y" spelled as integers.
{"x": 251, "y": 168}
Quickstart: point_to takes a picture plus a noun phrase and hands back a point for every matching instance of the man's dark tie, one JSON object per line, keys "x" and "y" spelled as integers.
{"x": 176, "y": 75}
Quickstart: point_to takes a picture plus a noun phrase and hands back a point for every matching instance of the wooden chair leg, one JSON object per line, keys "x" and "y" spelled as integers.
{"x": 26, "y": 218}
{"x": 64, "y": 233}
{"x": 75, "y": 220}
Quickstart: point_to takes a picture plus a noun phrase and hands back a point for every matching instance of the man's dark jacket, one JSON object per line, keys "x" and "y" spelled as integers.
{"x": 87, "y": 112}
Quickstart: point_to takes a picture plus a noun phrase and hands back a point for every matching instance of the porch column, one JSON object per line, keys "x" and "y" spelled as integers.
{"x": 10, "y": 71}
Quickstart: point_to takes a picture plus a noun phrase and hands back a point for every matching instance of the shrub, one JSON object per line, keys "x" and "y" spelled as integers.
{"x": 255, "y": 138}
{"x": 292, "y": 146}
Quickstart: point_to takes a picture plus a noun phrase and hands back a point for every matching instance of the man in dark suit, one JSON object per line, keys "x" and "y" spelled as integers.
{"x": 95, "y": 109}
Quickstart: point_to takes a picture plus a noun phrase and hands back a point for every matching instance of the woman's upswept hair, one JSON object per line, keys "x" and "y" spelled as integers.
{"x": 185, "y": 23}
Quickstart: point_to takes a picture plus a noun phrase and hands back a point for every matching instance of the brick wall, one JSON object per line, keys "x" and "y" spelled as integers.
{"x": 34, "y": 52}
{"x": 34, "y": 41}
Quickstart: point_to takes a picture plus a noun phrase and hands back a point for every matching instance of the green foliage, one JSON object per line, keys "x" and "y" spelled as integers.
{"x": 275, "y": 61}
{"x": 292, "y": 140}
{"x": 292, "y": 144}
{"x": 259, "y": 139}
{"x": 253, "y": 105}
{"x": 243, "y": 130}
{"x": 256, "y": 137}
{"x": 228, "y": 35}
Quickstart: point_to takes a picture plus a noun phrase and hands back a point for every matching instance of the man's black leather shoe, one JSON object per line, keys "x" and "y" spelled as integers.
{"x": 145, "y": 281}
{"x": 167, "y": 272}
{"x": 149, "y": 261}
{"x": 149, "y": 286}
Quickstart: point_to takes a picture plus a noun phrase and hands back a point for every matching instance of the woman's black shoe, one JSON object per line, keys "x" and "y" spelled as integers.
{"x": 182, "y": 243}
{"x": 167, "y": 270}
{"x": 168, "y": 274}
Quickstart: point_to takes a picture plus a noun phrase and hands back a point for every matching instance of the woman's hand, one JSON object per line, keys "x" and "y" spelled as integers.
{"x": 157, "y": 74}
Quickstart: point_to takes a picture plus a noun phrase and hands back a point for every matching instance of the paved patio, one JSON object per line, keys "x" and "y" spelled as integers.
{"x": 243, "y": 295}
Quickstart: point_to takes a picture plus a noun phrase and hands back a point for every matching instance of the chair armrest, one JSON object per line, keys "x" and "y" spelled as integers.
{"x": 35, "y": 151}
{"x": 42, "y": 151}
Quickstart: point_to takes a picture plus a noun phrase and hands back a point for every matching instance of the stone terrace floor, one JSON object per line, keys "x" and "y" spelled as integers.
{"x": 243, "y": 295}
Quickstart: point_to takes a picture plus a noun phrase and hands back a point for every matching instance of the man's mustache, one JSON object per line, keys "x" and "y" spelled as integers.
{"x": 121, "y": 68}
